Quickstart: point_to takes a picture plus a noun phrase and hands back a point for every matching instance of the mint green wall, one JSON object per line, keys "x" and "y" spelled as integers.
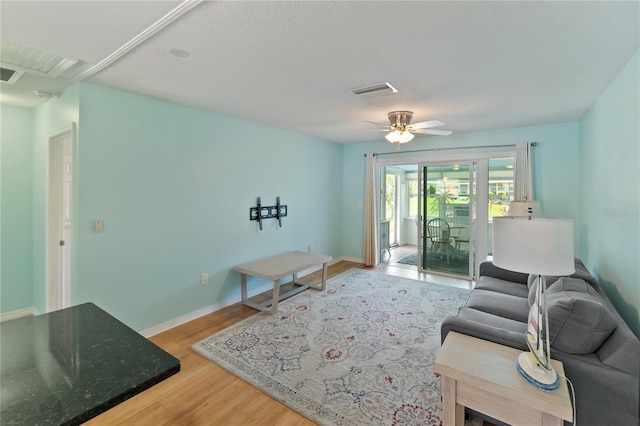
{"x": 610, "y": 198}
{"x": 173, "y": 186}
{"x": 555, "y": 164}
{"x": 16, "y": 154}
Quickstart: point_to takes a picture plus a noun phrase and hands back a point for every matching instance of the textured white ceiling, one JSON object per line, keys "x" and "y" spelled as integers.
{"x": 290, "y": 65}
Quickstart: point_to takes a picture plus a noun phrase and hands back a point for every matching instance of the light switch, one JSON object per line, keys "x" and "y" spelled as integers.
{"x": 97, "y": 225}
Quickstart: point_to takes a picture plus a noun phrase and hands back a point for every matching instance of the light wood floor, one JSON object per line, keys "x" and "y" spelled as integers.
{"x": 395, "y": 254}
{"x": 203, "y": 393}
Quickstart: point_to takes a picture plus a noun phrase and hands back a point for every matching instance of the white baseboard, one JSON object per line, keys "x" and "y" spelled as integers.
{"x": 184, "y": 319}
{"x": 211, "y": 308}
{"x": 20, "y": 313}
{"x": 350, "y": 259}
{"x": 168, "y": 325}
{"x": 217, "y": 306}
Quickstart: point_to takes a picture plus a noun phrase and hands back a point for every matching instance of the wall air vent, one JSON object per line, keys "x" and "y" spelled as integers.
{"x": 375, "y": 90}
{"x": 9, "y": 76}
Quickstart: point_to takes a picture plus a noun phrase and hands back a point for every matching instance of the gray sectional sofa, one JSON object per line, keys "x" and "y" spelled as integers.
{"x": 601, "y": 355}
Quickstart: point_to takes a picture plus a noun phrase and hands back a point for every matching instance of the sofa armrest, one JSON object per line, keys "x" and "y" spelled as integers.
{"x": 487, "y": 268}
{"x": 616, "y": 401}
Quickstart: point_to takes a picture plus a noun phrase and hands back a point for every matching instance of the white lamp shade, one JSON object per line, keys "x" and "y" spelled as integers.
{"x": 521, "y": 208}
{"x": 393, "y": 136}
{"x": 399, "y": 136}
{"x": 540, "y": 246}
{"x": 405, "y": 137}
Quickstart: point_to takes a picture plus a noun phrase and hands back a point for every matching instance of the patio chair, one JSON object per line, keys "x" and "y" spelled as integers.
{"x": 439, "y": 233}
{"x": 462, "y": 237}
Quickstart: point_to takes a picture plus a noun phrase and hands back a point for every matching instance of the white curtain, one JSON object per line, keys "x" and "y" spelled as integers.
{"x": 370, "y": 213}
{"x": 523, "y": 172}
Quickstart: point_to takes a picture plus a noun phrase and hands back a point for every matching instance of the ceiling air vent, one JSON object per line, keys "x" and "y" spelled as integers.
{"x": 375, "y": 90}
{"x": 9, "y": 76}
{"x": 19, "y": 58}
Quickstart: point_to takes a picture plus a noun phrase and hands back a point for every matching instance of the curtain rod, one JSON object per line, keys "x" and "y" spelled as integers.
{"x": 447, "y": 149}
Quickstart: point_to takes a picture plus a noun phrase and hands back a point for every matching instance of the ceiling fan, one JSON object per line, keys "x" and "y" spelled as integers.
{"x": 401, "y": 130}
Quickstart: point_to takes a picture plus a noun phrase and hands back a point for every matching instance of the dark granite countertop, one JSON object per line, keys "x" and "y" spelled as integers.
{"x": 67, "y": 366}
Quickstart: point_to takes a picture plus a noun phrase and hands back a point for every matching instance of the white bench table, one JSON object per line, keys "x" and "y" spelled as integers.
{"x": 277, "y": 267}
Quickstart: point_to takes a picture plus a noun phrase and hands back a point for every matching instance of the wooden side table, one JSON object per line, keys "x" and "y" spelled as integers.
{"x": 482, "y": 375}
{"x": 276, "y": 267}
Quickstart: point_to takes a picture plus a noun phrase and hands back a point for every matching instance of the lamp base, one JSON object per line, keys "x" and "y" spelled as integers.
{"x": 535, "y": 374}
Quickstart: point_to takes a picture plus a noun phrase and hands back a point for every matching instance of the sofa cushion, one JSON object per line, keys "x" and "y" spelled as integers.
{"x": 532, "y": 284}
{"x": 501, "y": 286}
{"x": 533, "y": 287}
{"x": 496, "y": 321}
{"x": 578, "y": 320}
{"x": 581, "y": 272}
{"x": 531, "y": 281}
{"x": 504, "y": 305}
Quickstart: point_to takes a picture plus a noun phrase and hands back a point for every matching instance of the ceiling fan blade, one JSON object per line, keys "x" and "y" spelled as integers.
{"x": 426, "y": 124}
{"x": 434, "y": 132}
{"x": 378, "y": 124}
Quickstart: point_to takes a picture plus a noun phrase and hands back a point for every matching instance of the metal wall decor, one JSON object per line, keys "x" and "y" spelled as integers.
{"x": 260, "y": 212}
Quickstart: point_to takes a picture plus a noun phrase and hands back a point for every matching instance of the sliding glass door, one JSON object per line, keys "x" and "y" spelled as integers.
{"x": 436, "y": 214}
{"x": 447, "y": 212}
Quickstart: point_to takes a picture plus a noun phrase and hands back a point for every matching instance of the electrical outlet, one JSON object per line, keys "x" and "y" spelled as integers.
{"x": 204, "y": 278}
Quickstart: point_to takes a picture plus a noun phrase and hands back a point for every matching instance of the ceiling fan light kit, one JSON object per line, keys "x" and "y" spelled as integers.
{"x": 401, "y": 130}
{"x": 398, "y": 136}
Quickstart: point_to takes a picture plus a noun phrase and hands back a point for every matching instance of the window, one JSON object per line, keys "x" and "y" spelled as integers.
{"x": 412, "y": 193}
{"x": 501, "y": 185}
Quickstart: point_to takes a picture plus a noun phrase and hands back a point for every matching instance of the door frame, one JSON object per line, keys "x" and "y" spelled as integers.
{"x": 59, "y": 217}
{"x": 397, "y": 206}
{"x": 481, "y": 158}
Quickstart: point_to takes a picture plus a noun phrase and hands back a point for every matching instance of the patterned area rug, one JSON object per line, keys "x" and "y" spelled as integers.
{"x": 411, "y": 259}
{"x": 361, "y": 352}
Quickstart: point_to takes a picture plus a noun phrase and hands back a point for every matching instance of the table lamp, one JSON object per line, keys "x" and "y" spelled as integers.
{"x": 525, "y": 208}
{"x": 541, "y": 246}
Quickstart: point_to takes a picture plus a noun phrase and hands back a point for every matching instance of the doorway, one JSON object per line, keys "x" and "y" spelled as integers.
{"x": 433, "y": 206}
{"x": 412, "y": 197}
{"x": 398, "y": 236}
{"x": 59, "y": 219}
